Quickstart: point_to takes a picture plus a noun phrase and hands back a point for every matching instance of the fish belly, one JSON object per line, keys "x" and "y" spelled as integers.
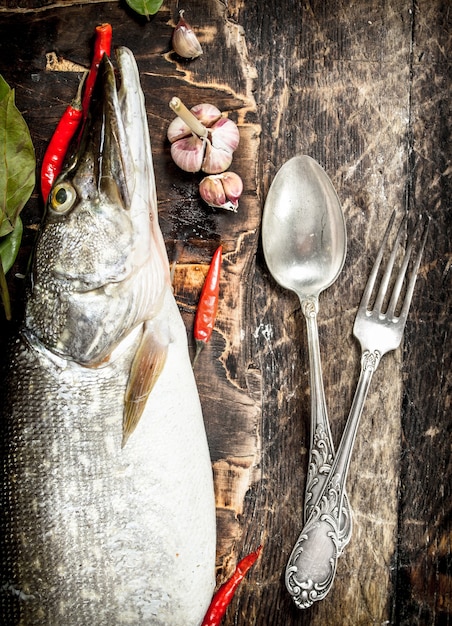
{"x": 96, "y": 535}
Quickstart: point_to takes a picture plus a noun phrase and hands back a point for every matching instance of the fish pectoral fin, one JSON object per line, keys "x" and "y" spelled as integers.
{"x": 147, "y": 366}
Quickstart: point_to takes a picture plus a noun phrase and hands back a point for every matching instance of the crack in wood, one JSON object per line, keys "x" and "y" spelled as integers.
{"x": 51, "y": 6}
{"x": 55, "y": 63}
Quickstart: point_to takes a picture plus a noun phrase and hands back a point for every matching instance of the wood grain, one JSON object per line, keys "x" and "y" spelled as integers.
{"x": 364, "y": 88}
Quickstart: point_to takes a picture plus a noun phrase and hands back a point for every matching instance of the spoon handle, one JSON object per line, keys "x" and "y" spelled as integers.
{"x": 321, "y": 449}
{"x": 312, "y": 564}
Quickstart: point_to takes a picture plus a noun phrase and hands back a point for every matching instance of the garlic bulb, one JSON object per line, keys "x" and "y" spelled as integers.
{"x": 222, "y": 190}
{"x": 202, "y": 139}
{"x": 185, "y": 42}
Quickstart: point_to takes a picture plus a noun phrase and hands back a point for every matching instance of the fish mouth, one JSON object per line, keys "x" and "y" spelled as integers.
{"x": 102, "y": 165}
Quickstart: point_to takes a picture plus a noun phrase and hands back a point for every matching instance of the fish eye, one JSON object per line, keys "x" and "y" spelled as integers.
{"x": 62, "y": 198}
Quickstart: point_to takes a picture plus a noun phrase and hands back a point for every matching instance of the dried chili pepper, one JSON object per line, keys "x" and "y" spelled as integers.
{"x": 59, "y": 143}
{"x": 102, "y": 45}
{"x": 225, "y": 593}
{"x": 206, "y": 311}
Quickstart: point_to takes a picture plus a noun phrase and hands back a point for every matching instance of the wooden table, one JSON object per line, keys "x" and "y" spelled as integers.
{"x": 364, "y": 88}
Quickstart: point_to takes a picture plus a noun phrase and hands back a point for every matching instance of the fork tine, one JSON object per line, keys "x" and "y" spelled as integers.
{"x": 397, "y": 288}
{"x": 389, "y": 267}
{"x": 414, "y": 273}
{"x": 373, "y": 274}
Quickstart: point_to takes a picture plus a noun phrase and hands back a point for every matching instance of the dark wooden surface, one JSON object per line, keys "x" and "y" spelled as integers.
{"x": 364, "y": 88}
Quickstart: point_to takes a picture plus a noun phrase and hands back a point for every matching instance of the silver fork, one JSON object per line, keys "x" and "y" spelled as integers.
{"x": 312, "y": 564}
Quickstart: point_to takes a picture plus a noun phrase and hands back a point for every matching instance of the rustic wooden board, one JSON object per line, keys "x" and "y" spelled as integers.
{"x": 364, "y": 88}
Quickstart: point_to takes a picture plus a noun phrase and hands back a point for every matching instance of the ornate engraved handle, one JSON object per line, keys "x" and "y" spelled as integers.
{"x": 312, "y": 565}
{"x": 321, "y": 449}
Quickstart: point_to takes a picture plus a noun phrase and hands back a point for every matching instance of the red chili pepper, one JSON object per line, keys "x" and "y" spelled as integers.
{"x": 208, "y": 304}
{"x": 59, "y": 144}
{"x": 225, "y": 593}
{"x": 70, "y": 121}
{"x": 102, "y": 45}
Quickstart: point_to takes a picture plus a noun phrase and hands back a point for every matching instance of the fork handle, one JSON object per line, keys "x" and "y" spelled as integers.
{"x": 312, "y": 564}
{"x": 321, "y": 448}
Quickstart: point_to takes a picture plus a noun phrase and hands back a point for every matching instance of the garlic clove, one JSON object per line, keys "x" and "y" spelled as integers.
{"x": 188, "y": 153}
{"x": 212, "y": 191}
{"x": 185, "y": 42}
{"x": 178, "y": 129}
{"x": 232, "y": 185}
{"x": 222, "y": 190}
{"x": 215, "y": 160}
{"x": 225, "y": 135}
{"x": 206, "y": 113}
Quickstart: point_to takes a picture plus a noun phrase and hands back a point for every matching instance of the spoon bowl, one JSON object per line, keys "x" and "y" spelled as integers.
{"x": 303, "y": 228}
{"x": 305, "y": 242}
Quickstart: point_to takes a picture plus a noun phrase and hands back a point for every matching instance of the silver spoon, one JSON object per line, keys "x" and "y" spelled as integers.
{"x": 305, "y": 243}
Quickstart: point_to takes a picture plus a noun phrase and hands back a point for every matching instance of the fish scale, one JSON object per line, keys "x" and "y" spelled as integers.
{"x": 69, "y": 495}
{"x": 69, "y": 463}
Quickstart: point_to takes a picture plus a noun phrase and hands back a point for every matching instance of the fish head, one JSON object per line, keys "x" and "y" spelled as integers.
{"x": 88, "y": 236}
{"x": 100, "y": 264}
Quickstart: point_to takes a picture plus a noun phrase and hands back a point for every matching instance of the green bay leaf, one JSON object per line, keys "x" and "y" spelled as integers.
{"x": 10, "y": 244}
{"x": 17, "y": 161}
{"x": 4, "y": 88}
{"x": 145, "y": 7}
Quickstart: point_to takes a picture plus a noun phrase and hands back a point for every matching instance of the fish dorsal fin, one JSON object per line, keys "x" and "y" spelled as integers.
{"x": 146, "y": 367}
